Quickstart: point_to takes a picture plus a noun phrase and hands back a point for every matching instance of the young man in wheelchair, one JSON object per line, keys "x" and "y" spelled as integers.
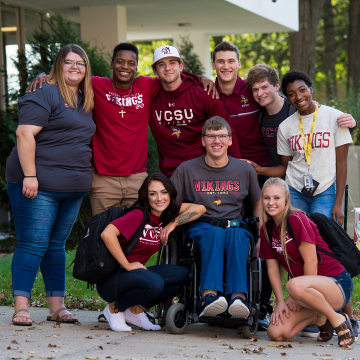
{"x": 221, "y": 183}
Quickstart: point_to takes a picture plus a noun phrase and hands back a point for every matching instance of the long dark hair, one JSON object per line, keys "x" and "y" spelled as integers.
{"x": 171, "y": 211}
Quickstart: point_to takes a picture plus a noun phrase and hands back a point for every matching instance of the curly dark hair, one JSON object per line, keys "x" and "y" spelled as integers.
{"x": 292, "y": 76}
{"x": 126, "y": 46}
{"x": 171, "y": 211}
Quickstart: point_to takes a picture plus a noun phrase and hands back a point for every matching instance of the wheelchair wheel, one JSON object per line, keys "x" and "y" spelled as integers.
{"x": 176, "y": 321}
{"x": 249, "y": 331}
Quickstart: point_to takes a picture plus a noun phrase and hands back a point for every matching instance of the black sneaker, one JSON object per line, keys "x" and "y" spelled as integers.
{"x": 355, "y": 327}
{"x": 211, "y": 305}
{"x": 264, "y": 320}
{"x": 239, "y": 308}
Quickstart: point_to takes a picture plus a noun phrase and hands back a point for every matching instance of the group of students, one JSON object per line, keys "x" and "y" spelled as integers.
{"x": 49, "y": 171}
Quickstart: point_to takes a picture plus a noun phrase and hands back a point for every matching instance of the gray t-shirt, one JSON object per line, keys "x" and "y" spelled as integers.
{"x": 63, "y": 153}
{"x": 220, "y": 190}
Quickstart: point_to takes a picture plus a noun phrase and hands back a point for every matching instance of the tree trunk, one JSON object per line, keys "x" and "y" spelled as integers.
{"x": 330, "y": 49}
{"x": 354, "y": 45}
{"x": 302, "y": 43}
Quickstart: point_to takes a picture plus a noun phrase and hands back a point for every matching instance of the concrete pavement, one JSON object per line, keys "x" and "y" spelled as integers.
{"x": 93, "y": 340}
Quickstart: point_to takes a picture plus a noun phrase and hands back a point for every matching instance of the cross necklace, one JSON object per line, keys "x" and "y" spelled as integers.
{"x": 122, "y": 112}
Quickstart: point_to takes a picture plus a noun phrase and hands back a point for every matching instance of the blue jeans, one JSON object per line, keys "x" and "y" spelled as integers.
{"x": 42, "y": 226}
{"x": 345, "y": 285}
{"x": 214, "y": 243}
{"x": 321, "y": 203}
{"x": 144, "y": 287}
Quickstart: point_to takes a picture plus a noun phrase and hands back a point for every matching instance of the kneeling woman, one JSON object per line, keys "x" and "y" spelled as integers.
{"x": 139, "y": 287}
{"x": 319, "y": 285}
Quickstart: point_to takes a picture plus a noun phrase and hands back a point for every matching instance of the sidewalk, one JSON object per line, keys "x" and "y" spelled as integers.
{"x": 93, "y": 340}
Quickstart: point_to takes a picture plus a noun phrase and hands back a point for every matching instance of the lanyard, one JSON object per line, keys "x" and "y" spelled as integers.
{"x": 307, "y": 147}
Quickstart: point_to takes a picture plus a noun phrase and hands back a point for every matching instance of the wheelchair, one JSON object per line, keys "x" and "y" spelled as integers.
{"x": 185, "y": 252}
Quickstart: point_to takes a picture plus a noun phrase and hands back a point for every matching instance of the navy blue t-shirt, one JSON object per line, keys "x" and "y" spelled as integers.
{"x": 63, "y": 153}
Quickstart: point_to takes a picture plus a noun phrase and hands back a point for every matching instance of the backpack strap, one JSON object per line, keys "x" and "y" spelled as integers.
{"x": 318, "y": 248}
{"x": 130, "y": 247}
{"x": 269, "y": 228}
{"x": 261, "y": 115}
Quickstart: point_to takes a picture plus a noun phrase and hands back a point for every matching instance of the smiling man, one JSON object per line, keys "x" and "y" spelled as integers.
{"x": 179, "y": 111}
{"x": 263, "y": 81}
{"x": 220, "y": 183}
{"x": 237, "y": 99}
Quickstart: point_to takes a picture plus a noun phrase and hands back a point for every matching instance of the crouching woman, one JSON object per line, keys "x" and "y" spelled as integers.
{"x": 139, "y": 288}
{"x": 319, "y": 285}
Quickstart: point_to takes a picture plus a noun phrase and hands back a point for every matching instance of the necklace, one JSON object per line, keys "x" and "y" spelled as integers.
{"x": 122, "y": 112}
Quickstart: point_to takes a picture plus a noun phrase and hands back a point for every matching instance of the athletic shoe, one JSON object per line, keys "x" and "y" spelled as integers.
{"x": 355, "y": 327}
{"x": 264, "y": 319}
{"x": 310, "y": 331}
{"x": 102, "y": 318}
{"x": 211, "y": 305}
{"x": 116, "y": 321}
{"x": 239, "y": 308}
{"x": 140, "y": 320}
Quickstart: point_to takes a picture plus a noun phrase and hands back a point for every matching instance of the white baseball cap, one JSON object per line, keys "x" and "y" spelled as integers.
{"x": 165, "y": 51}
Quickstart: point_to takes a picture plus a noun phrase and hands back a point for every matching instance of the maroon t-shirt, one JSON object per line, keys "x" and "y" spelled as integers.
{"x": 241, "y": 102}
{"x": 304, "y": 230}
{"x": 121, "y": 118}
{"x": 149, "y": 242}
{"x": 176, "y": 120}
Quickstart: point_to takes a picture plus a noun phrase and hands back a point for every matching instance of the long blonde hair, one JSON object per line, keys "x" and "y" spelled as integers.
{"x": 287, "y": 212}
{"x": 57, "y": 77}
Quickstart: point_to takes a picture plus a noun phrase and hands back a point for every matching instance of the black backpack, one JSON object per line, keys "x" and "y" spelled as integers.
{"x": 93, "y": 261}
{"x": 337, "y": 239}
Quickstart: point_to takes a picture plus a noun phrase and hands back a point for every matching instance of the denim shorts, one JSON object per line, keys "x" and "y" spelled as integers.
{"x": 345, "y": 284}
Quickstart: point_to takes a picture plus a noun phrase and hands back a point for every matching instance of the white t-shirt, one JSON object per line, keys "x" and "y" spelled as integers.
{"x": 327, "y": 136}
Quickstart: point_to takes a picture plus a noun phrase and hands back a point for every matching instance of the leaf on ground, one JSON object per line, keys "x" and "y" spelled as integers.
{"x": 203, "y": 356}
{"x": 8, "y": 348}
{"x": 327, "y": 358}
{"x": 57, "y": 325}
{"x": 246, "y": 351}
{"x": 91, "y": 357}
{"x": 284, "y": 354}
{"x": 32, "y": 352}
{"x": 38, "y": 322}
{"x": 347, "y": 347}
{"x": 14, "y": 342}
{"x": 88, "y": 337}
{"x": 98, "y": 348}
{"x": 192, "y": 345}
{"x": 281, "y": 346}
{"x": 132, "y": 332}
{"x": 52, "y": 346}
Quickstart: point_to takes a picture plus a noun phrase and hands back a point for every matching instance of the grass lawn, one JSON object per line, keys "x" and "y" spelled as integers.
{"x": 78, "y": 296}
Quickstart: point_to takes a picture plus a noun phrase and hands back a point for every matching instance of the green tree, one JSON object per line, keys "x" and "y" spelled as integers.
{"x": 191, "y": 60}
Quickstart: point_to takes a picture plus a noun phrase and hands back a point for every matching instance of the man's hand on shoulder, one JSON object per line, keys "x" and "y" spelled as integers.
{"x": 38, "y": 81}
{"x": 346, "y": 120}
{"x": 209, "y": 86}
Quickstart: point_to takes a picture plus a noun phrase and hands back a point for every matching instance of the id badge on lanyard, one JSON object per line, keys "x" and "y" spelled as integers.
{"x": 310, "y": 185}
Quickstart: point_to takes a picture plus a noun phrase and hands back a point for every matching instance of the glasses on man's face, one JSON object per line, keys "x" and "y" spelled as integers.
{"x": 79, "y": 64}
{"x": 221, "y": 137}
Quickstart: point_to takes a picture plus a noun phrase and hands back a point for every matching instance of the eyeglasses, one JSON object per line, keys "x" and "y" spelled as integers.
{"x": 221, "y": 137}
{"x": 79, "y": 64}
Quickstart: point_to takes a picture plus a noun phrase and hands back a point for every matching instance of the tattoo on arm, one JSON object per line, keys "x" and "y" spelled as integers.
{"x": 184, "y": 218}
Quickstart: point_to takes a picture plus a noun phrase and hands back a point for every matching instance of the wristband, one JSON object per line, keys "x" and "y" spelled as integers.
{"x": 280, "y": 301}
{"x": 29, "y": 176}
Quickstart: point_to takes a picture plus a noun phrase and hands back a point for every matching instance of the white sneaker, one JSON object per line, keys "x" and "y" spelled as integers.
{"x": 116, "y": 321}
{"x": 140, "y": 320}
